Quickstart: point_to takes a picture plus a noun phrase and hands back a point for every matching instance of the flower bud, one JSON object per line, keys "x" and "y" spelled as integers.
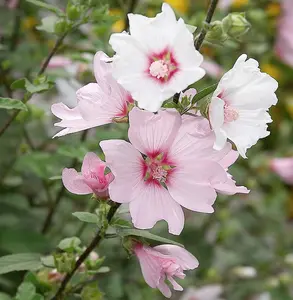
{"x": 245, "y": 272}
{"x": 235, "y": 25}
{"x": 73, "y": 12}
{"x": 64, "y": 262}
{"x": 60, "y": 27}
{"x": 216, "y": 33}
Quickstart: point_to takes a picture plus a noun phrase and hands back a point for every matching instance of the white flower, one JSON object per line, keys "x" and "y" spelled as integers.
{"x": 157, "y": 59}
{"x": 207, "y": 292}
{"x": 238, "y": 108}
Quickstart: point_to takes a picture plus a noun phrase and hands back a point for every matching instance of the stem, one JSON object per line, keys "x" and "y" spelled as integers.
{"x": 94, "y": 243}
{"x": 60, "y": 194}
{"x": 28, "y": 96}
{"x": 210, "y": 13}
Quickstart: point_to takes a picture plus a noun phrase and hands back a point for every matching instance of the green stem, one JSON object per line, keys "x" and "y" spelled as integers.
{"x": 94, "y": 243}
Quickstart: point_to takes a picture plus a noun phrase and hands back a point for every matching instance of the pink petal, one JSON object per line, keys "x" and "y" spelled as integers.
{"x": 125, "y": 163}
{"x": 92, "y": 163}
{"x": 284, "y": 168}
{"x": 229, "y": 159}
{"x": 74, "y": 182}
{"x": 152, "y": 133}
{"x": 229, "y": 188}
{"x": 59, "y": 61}
{"x": 62, "y": 111}
{"x": 153, "y": 203}
{"x": 183, "y": 258}
{"x": 164, "y": 289}
{"x": 102, "y": 67}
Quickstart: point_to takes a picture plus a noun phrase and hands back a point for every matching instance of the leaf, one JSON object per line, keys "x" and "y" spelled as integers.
{"x": 48, "y": 24}
{"x": 4, "y": 296}
{"x": 48, "y": 261}
{"x": 86, "y": 217}
{"x": 147, "y": 235}
{"x": 69, "y": 243}
{"x": 32, "y": 88}
{"x": 18, "y": 84}
{"x": 26, "y": 291}
{"x": 47, "y": 6}
{"x": 121, "y": 223}
{"x": 9, "y": 103}
{"x": 203, "y": 93}
{"x": 91, "y": 292}
{"x": 20, "y": 262}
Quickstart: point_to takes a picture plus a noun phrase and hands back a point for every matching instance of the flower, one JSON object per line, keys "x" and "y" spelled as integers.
{"x": 170, "y": 162}
{"x": 157, "y": 59}
{"x": 164, "y": 262}
{"x": 238, "y": 108}
{"x": 284, "y": 41}
{"x": 207, "y": 292}
{"x": 284, "y": 168}
{"x": 59, "y": 61}
{"x": 92, "y": 178}
{"x": 212, "y": 69}
{"x": 98, "y": 103}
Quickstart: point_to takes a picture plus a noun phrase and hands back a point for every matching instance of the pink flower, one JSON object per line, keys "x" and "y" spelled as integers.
{"x": 284, "y": 42}
{"x": 212, "y": 69}
{"x": 284, "y": 168}
{"x": 92, "y": 178}
{"x": 164, "y": 262}
{"x": 170, "y": 162}
{"x": 98, "y": 103}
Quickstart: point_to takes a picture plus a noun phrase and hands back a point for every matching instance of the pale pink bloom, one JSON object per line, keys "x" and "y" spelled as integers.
{"x": 207, "y": 292}
{"x": 157, "y": 59}
{"x": 59, "y": 61}
{"x": 225, "y": 4}
{"x": 212, "y": 69}
{"x": 98, "y": 103}
{"x": 284, "y": 42}
{"x": 284, "y": 168}
{"x": 170, "y": 162}
{"x": 239, "y": 106}
{"x": 162, "y": 263}
{"x": 92, "y": 178}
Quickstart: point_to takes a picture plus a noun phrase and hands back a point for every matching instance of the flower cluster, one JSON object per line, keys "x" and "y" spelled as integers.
{"x": 172, "y": 160}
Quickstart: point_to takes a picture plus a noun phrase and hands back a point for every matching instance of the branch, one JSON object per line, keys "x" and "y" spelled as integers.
{"x": 210, "y": 13}
{"x": 60, "y": 194}
{"x": 27, "y": 96}
{"x": 94, "y": 243}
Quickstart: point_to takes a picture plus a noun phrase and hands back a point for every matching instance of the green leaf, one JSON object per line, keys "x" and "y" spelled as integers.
{"x": 48, "y": 261}
{"x": 4, "y": 296}
{"x": 48, "y": 24}
{"x": 26, "y": 291}
{"x": 147, "y": 235}
{"x": 20, "y": 262}
{"x": 47, "y": 6}
{"x": 33, "y": 88}
{"x": 69, "y": 243}
{"x": 120, "y": 223}
{"x": 38, "y": 297}
{"x": 203, "y": 93}
{"x": 91, "y": 292}
{"x": 18, "y": 84}
{"x": 9, "y": 103}
{"x": 86, "y": 217}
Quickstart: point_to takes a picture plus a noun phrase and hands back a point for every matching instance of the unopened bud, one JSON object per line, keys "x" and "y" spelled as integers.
{"x": 235, "y": 25}
{"x": 73, "y": 12}
{"x": 216, "y": 33}
{"x": 64, "y": 262}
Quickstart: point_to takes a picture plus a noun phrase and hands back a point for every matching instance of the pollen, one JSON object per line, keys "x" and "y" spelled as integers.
{"x": 159, "y": 69}
{"x": 230, "y": 114}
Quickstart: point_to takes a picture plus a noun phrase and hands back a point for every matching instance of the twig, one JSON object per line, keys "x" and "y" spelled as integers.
{"x": 27, "y": 96}
{"x": 94, "y": 243}
{"x": 210, "y": 13}
{"x": 60, "y": 194}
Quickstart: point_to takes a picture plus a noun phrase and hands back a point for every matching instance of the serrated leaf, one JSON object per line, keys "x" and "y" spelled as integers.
{"x": 9, "y": 103}
{"x": 146, "y": 235}
{"x": 203, "y": 93}
{"x": 69, "y": 243}
{"x": 26, "y": 291}
{"x": 20, "y": 262}
{"x": 86, "y": 217}
{"x": 47, "y": 6}
{"x": 48, "y": 24}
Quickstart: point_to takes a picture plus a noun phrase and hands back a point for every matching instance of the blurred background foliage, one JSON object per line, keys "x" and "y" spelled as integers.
{"x": 246, "y": 246}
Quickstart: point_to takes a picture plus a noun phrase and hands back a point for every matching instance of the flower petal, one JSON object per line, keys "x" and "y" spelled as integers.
{"x": 74, "y": 182}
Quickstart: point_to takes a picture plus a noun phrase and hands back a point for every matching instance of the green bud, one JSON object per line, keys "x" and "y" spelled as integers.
{"x": 60, "y": 27}
{"x": 235, "y": 25}
{"x": 73, "y": 12}
{"x": 216, "y": 33}
{"x": 203, "y": 105}
{"x": 64, "y": 262}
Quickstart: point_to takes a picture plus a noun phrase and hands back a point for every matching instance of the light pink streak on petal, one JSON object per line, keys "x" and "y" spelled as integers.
{"x": 62, "y": 111}
{"x": 153, "y": 133}
{"x": 153, "y": 204}
{"x": 102, "y": 69}
{"x": 190, "y": 93}
{"x": 74, "y": 182}
{"x": 229, "y": 159}
{"x": 125, "y": 163}
{"x": 183, "y": 258}
{"x": 164, "y": 288}
{"x": 92, "y": 163}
